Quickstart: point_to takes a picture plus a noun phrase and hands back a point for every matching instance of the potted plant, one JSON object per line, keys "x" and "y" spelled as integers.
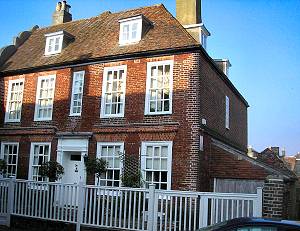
{"x": 3, "y": 167}
{"x": 96, "y": 166}
{"x": 52, "y": 170}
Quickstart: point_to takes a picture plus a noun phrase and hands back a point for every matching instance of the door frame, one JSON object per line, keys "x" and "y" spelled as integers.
{"x": 72, "y": 144}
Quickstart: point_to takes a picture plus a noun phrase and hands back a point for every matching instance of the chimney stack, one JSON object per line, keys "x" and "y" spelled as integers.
{"x": 188, "y": 13}
{"x": 62, "y": 13}
{"x": 224, "y": 65}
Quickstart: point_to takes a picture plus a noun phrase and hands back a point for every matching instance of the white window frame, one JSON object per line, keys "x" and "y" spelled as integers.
{"x": 227, "y": 112}
{"x": 148, "y": 84}
{"x": 10, "y": 84}
{"x": 169, "y": 161}
{"x": 103, "y": 98}
{"x": 129, "y": 22}
{"x": 37, "y": 107}
{"x": 30, "y": 173}
{"x": 57, "y": 35}
{"x": 81, "y": 73}
{"x": 7, "y": 162}
{"x": 99, "y": 147}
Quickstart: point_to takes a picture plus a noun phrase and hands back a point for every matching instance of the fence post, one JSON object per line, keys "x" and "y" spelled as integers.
{"x": 258, "y": 203}
{"x": 81, "y": 196}
{"x": 10, "y": 199}
{"x": 151, "y": 207}
{"x": 203, "y": 215}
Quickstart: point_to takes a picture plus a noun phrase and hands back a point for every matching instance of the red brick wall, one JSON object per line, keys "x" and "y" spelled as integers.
{"x": 212, "y": 98}
{"x": 190, "y": 97}
{"x": 219, "y": 163}
{"x": 182, "y": 127}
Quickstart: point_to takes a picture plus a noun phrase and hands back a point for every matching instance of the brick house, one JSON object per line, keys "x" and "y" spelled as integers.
{"x": 134, "y": 83}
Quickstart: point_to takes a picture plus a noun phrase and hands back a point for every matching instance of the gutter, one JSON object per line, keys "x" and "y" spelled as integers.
{"x": 143, "y": 54}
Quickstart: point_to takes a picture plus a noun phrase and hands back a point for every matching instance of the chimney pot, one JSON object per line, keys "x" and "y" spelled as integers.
{"x": 62, "y": 14}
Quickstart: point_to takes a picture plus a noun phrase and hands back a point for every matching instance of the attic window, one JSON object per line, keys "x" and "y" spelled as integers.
{"x": 130, "y": 30}
{"x": 54, "y": 43}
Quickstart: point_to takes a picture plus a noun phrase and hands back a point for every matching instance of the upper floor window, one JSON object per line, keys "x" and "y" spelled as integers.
{"x": 111, "y": 153}
{"x": 159, "y": 88}
{"x": 227, "y": 108}
{"x": 54, "y": 43}
{"x": 39, "y": 154}
{"x": 77, "y": 93}
{"x": 9, "y": 153}
{"x": 14, "y": 100}
{"x": 156, "y": 164}
{"x": 113, "y": 92}
{"x": 130, "y": 30}
{"x": 44, "y": 98}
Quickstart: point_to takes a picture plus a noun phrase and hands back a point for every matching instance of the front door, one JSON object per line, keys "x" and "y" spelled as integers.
{"x": 74, "y": 167}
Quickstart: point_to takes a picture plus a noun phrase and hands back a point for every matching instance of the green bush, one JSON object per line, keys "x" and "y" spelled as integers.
{"x": 52, "y": 170}
{"x": 3, "y": 166}
{"x": 96, "y": 166}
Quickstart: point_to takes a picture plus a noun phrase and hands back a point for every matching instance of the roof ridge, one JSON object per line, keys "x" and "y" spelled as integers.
{"x": 105, "y": 13}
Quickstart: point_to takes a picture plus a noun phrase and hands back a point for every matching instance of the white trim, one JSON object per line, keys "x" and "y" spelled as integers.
{"x": 169, "y": 161}
{"x": 104, "y": 82}
{"x": 2, "y": 153}
{"x": 10, "y": 83}
{"x": 36, "y": 118}
{"x": 130, "y": 19}
{"x": 54, "y": 36}
{"x": 227, "y": 112}
{"x": 121, "y": 144}
{"x": 129, "y": 22}
{"x": 54, "y": 33}
{"x": 31, "y": 156}
{"x": 72, "y": 96}
{"x": 148, "y": 83}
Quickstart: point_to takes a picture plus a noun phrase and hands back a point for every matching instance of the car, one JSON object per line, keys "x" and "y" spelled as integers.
{"x": 254, "y": 224}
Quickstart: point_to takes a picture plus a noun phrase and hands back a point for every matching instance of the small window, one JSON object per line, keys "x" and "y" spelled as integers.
{"x": 227, "y": 118}
{"x": 113, "y": 92}
{"x": 14, "y": 100}
{"x": 9, "y": 153}
{"x": 112, "y": 154}
{"x": 40, "y": 153}
{"x": 159, "y": 88}
{"x": 54, "y": 43}
{"x": 130, "y": 30}
{"x": 77, "y": 93}
{"x": 156, "y": 164}
{"x": 44, "y": 98}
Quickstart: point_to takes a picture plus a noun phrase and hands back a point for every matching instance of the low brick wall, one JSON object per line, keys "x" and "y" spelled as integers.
{"x": 273, "y": 193}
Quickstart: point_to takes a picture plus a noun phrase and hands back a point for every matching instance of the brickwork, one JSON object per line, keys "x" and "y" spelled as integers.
{"x": 219, "y": 163}
{"x": 212, "y": 97}
{"x": 273, "y": 197}
{"x": 182, "y": 126}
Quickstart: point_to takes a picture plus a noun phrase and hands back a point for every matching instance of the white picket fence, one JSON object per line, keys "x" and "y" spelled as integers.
{"x": 123, "y": 208}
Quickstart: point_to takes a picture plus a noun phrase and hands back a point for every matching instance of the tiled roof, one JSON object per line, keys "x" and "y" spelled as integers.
{"x": 99, "y": 37}
{"x": 271, "y": 159}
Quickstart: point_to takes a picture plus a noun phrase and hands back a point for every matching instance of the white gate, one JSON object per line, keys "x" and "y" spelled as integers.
{"x": 124, "y": 208}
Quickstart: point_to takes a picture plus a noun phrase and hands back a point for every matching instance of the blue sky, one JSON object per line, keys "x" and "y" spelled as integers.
{"x": 260, "y": 37}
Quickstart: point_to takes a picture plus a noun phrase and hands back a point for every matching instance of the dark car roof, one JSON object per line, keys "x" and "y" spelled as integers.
{"x": 239, "y": 222}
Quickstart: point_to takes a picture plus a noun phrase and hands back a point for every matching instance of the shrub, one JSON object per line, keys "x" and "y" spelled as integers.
{"x": 52, "y": 170}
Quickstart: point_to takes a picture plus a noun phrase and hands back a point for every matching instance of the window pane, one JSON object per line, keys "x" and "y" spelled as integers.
{"x": 159, "y": 89}
{"x": 114, "y": 93}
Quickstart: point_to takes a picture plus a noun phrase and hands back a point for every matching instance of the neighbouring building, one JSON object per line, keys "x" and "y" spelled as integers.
{"x": 135, "y": 83}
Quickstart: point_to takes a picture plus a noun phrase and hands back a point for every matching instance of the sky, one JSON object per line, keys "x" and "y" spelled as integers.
{"x": 261, "y": 38}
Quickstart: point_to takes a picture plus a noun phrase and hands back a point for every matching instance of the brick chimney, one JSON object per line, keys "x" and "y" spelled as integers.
{"x": 62, "y": 13}
{"x": 188, "y": 13}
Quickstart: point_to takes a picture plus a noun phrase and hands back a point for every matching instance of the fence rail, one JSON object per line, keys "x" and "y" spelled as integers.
{"x": 123, "y": 208}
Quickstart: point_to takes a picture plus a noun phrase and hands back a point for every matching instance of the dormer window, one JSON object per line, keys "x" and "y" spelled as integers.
{"x": 55, "y": 42}
{"x": 132, "y": 29}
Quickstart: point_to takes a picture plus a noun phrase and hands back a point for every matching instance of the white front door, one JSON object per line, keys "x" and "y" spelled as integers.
{"x": 73, "y": 164}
